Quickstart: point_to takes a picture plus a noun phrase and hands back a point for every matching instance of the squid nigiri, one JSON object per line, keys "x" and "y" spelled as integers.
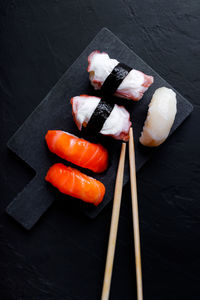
{"x": 99, "y": 116}
{"x": 78, "y": 151}
{"x": 72, "y": 182}
{"x": 109, "y": 75}
{"x": 160, "y": 118}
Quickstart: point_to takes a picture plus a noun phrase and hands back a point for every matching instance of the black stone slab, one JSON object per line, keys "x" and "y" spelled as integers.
{"x": 54, "y": 112}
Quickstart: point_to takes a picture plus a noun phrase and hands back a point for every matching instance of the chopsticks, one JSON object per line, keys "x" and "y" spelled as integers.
{"x": 115, "y": 220}
{"x": 114, "y": 225}
{"x": 136, "y": 229}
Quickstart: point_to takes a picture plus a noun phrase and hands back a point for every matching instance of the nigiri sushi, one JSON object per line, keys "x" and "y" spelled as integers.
{"x": 116, "y": 78}
{"x": 78, "y": 151}
{"x": 72, "y": 182}
{"x": 160, "y": 118}
{"x": 101, "y": 116}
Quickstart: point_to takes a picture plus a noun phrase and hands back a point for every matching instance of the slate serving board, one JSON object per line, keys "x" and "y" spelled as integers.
{"x": 54, "y": 112}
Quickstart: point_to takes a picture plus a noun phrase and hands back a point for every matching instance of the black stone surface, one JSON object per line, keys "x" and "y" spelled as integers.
{"x": 54, "y": 112}
{"x": 63, "y": 256}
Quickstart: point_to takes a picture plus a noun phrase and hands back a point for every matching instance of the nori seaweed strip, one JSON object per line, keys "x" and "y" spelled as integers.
{"x": 105, "y": 106}
{"x": 115, "y": 78}
{"x": 99, "y": 116}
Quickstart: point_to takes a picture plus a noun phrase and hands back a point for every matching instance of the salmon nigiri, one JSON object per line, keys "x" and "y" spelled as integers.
{"x": 72, "y": 182}
{"x": 78, "y": 151}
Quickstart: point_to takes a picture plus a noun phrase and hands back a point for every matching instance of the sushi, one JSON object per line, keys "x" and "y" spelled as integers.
{"x": 160, "y": 118}
{"x": 72, "y": 182}
{"x": 99, "y": 116}
{"x": 116, "y": 78}
{"x": 78, "y": 151}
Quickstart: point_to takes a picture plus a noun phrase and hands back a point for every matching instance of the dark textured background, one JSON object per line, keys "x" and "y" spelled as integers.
{"x": 63, "y": 257}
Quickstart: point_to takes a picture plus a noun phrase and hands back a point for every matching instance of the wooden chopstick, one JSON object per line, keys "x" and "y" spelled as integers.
{"x": 136, "y": 229}
{"x": 114, "y": 225}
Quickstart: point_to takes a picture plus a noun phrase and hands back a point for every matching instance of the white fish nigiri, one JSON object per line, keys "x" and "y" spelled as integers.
{"x": 116, "y": 125}
{"x": 160, "y": 118}
{"x": 133, "y": 86}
